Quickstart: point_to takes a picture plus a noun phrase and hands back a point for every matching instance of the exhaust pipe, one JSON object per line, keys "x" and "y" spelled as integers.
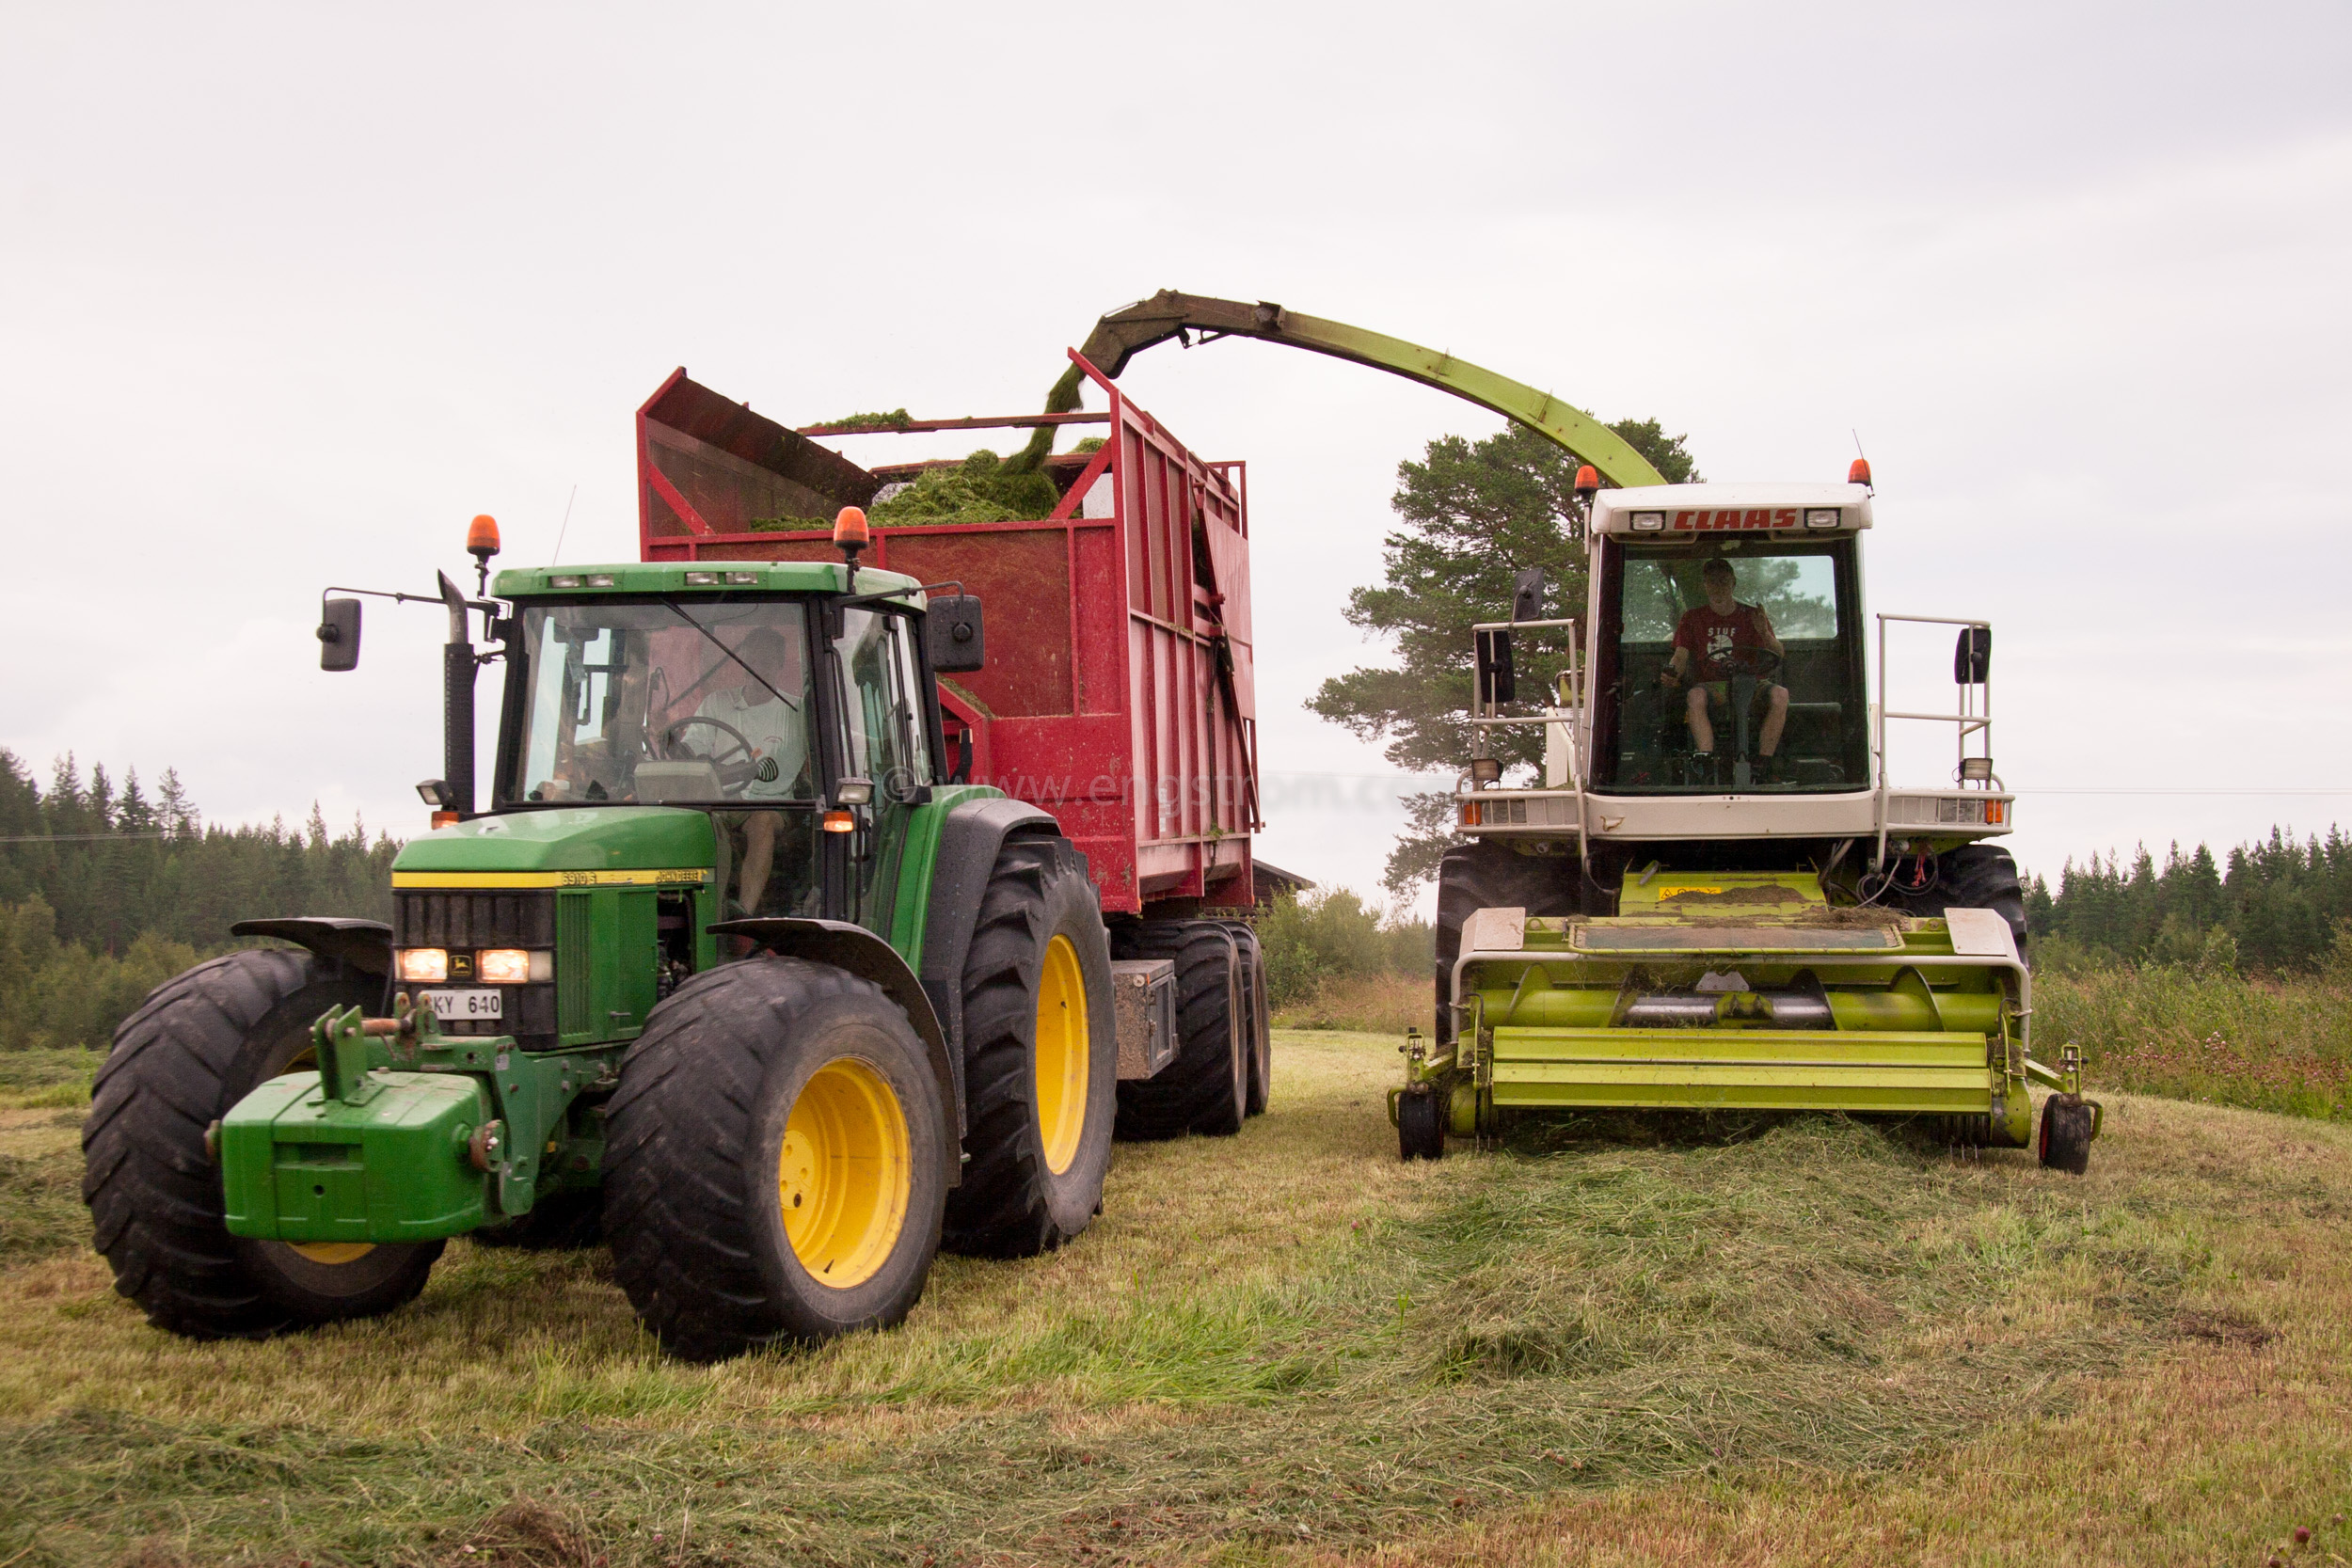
{"x": 457, "y": 677}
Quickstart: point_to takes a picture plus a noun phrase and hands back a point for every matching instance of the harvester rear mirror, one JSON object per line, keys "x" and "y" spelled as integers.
{"x": 339, "y": 634}
{"x": 1972, "y": 661}
{"x": 1527, "y": 594}
{"x": 1496, "y": 682}
{"x": 952, "y": 636}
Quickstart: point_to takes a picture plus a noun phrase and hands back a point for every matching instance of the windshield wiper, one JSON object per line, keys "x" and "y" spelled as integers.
{"x": 672, "y": 606}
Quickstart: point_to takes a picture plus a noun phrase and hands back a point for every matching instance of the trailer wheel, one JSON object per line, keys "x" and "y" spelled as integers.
{"x": 772, "y": 1167}
{"x": 1490, "y": 876}
{"x": 1206, "y": 1088}
{"x": 1421, "y": 1125}
{"x": 200, "y": 1043}
{"x": 2065, "y": 1142}
{"x": 1257, "y": 1044}
{"x": 1041, "y": 1057}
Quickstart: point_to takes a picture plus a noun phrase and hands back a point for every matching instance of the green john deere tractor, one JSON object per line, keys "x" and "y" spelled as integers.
{"x": 695, "y": 764}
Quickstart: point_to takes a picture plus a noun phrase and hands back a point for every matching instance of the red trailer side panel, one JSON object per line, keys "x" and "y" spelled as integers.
{"x": 1117, "y": 694}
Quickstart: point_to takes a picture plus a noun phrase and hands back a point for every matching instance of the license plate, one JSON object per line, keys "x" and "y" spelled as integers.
{"x": 480, "y": 1002}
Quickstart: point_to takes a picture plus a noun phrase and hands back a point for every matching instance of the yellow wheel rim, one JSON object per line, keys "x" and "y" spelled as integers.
{"x": 333, "y": 1252}
{"x": 1061, "y": 1055}
{"x": 844, "y": 1176}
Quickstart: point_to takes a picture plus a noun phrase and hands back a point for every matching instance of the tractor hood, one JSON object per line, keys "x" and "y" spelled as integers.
{"x": 572, "y": 847}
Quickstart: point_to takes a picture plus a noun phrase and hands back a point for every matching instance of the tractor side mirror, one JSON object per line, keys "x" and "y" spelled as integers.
{"x": 1527, "y": 594}
{"x": 1497, "y": 683}
{"x": 339, "y": 634}
{"x": 952, "y": 636}
{"x": 1972, "y": 661}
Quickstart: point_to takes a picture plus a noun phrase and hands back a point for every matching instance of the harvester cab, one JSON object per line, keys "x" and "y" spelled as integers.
{"x": 1710, "y": 895}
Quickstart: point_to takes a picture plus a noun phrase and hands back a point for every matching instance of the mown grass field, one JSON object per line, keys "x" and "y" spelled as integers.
{"x": 1798, "y": 1341}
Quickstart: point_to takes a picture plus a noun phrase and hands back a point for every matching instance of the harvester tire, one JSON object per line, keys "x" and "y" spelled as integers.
{"x": 1421, "y": 1125}
{"x": 777, "y": 1129}
{"x": 1490, "y": 876}
{"x": 1206, "y": 1088}
{"x": 2065, "y": 1141}
{"x": 200, "y": 1042}
{"x": 1041, "y": 1057}
{"x": 1256, "y": 1015}
{"x": 1976, "y": 877}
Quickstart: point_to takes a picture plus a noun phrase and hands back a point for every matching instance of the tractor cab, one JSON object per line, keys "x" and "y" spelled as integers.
{"x": 1726, "y": 645}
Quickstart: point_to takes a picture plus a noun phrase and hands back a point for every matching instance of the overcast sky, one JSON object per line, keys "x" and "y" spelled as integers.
{"x": 288, "y": 295}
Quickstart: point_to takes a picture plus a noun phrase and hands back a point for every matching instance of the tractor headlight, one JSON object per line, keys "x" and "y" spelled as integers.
{"x": 502, "y": 966}
{"x": 424, "y": 963}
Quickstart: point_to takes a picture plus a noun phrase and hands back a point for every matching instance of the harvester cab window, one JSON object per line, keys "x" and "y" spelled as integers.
{"x": 1729, "y": 664}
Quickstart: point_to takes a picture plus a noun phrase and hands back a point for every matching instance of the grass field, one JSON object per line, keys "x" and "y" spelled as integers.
{"x": 1795, "y": 1341}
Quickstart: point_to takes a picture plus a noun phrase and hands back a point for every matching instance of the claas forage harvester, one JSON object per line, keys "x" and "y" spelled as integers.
{"x": 808, "y": 927}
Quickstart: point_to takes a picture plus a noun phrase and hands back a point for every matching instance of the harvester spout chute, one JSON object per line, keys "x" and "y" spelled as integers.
{"x": 1121, "y": 335}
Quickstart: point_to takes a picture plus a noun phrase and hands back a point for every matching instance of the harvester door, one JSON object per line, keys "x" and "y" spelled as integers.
{"x": 884, "y": 742}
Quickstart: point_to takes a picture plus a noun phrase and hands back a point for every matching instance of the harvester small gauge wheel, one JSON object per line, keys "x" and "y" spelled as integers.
{"x": 1041, "y": 1057}
{"x": 200, "y": 1042}
{"x": 2066, "y": 1128}
{"x": 1421, "y": 1117}
{"x": 775, "y": 1160}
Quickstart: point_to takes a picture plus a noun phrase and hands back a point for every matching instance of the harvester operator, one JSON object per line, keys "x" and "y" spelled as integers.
{"x": 1714, "y": 642}
{"x": 766, "y": 709}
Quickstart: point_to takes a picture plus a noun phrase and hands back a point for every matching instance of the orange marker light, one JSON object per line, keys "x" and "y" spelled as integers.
{"x": 1858, "y": 472}
{"x": 482, "y": 536}
{"x": 840, "y": 822}
{"x": 849, "y": 527}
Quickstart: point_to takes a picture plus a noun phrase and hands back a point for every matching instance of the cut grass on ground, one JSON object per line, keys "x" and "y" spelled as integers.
{"x": 1290, "y": 1343}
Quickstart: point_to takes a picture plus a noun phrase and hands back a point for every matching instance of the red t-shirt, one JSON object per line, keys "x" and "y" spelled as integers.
{"x": 1711, "y": 638}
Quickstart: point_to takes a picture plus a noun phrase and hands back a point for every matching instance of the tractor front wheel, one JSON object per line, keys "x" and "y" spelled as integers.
{"x": 774, "y": 1165}
{"x": 200, "y": 1043}
{"x": 1040, "y": 1070}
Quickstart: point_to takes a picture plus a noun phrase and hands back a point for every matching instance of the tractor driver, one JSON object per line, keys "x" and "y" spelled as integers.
{"x": 1709, "y": 642}
{"x": 767, "y": 709}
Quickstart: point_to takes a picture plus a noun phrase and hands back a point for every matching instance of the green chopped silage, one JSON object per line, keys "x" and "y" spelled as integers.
{"x": 977, "y": 490}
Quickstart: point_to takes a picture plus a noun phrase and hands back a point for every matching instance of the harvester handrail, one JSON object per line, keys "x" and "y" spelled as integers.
{"x": 1968, "y": 722}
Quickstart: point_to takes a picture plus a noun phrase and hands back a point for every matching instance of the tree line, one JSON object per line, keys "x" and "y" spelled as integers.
{"x": 107, "y": 892}
{"x": 2275, "y": 905}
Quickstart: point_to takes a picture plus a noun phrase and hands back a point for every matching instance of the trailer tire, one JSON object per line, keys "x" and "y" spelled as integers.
{"x": 1485, "y": 874}
{"x": 1421, "y": 1125}
{"x": 1976, "y": 877}
{"x": 200, "y": 1042}
{"x": 777, "y": 1120}
{"x": 1258, "y": 1043}
{"x": 2065, "y": 1141}
{"x": 1206, "y": 1088}
{"x": 1040, "y": 1066}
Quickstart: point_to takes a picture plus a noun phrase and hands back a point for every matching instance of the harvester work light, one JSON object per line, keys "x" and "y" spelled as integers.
{"x": 1821, "y": 517}
{"x": 1649, "y": 522}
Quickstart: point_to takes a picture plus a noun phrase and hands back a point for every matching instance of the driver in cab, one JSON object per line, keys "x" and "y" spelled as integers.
{"x": 1714, "y": 642}
{"x": 764, "y": 709}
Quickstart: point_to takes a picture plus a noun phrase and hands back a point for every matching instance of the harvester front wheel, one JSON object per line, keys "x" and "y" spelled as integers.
{"x": 2065, "y": 1141}
{"x": 1257, "y": 1044}
{"x": 200, "y": 1043}
{"x": 774, "y": 1163}
{"x": 1041, "y": 1057}
{"x": 1490, "y": 876}
{"x": 1976, "y": 877}
{"x": 1206, "y": 1088}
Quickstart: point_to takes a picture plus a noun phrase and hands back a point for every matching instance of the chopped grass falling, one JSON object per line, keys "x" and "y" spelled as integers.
{"x": 1284, "y": 1339}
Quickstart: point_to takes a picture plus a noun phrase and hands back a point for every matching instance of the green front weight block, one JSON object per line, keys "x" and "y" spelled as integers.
{"x": 397, "y": 1166}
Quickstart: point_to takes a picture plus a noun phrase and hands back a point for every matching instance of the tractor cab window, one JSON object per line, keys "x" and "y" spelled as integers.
{"x": 1729, "y": 664}
{"x": 702, "y": 704}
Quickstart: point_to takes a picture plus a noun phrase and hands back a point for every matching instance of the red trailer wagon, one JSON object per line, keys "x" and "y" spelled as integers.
{"x": 1118, "y": 692}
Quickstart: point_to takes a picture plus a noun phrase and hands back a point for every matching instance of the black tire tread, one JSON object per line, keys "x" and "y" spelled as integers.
{"x": 1484, "y": 875}
{"x": 1194, "y": 1093}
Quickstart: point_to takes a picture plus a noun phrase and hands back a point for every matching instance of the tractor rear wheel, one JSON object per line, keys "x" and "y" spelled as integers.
{"x": 774, "y": 1165}
{"x": 2065, "y": 1142}
{"x": 1258, "y": 1043}
{"x": 1041, "y": 1057}
{"x": 1490, "y": 876}
{"x": 200, "y": 1043}
{"x": 1206, "y": 1088}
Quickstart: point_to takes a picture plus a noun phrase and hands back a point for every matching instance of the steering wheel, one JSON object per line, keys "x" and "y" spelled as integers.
{"x": 734, "y": 759}
{"x": 1758, "y": 661}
